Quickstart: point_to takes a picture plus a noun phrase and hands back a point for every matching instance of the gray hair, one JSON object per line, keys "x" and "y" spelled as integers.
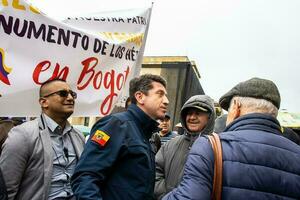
{"x": 253, "y": 105}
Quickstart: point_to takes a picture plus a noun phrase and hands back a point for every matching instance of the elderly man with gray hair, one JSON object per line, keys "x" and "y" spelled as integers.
{"x": 258, "y": 162}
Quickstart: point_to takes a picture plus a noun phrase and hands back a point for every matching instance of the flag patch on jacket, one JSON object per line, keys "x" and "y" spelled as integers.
{"x": 100, "y": 137}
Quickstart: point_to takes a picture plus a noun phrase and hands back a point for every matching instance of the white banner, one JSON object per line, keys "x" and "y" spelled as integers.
{"x": 96, "y": 54}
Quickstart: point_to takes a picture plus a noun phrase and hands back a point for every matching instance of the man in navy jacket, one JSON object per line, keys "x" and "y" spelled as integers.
{"x": 258, "y": 162}
{"x": 118, "y": 162}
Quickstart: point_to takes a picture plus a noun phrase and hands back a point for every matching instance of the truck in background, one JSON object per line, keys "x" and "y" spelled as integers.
{"x": 182, "y": 76}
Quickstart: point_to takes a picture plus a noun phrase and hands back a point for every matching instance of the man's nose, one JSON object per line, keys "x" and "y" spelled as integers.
{"x": 70, "y": 96}
{"x": 193, "y": 115}
{"x": 166, "y": 100}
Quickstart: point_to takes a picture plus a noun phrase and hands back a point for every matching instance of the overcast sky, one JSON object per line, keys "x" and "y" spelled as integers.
{"x": 230, "y": 40}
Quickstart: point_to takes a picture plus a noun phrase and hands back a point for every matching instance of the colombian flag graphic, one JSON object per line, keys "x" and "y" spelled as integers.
{"x": 100, "y": 137}
{"x": 4, "y": 70}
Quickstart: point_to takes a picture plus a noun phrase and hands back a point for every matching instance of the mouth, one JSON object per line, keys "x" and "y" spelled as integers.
{"x": 69, "y": 105}
{"x": 194, "y": 123}
{"x": 164, "y": 110}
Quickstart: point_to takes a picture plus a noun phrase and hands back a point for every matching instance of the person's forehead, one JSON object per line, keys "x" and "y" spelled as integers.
{"x": 195, "y": 110}
{"x": 57, "y": 85}
{"x": 158, "y": 86}
{"x": 166, "y": 119}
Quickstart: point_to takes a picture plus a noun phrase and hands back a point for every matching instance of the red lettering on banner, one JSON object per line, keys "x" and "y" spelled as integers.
{"x": 109, "y": 80}
{"x": 44, "y": 66}
{"x": 98, "y": 77}
{"x": 108, "y": 84}
{"x": 86, "y": 70}
{"x": 89, "y": 75}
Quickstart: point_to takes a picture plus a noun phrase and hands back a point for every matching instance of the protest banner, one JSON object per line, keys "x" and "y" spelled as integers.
{"x": 96, "y": 54}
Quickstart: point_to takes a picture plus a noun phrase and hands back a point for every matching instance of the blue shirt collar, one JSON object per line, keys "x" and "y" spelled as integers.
{"x": 52, "y": 125}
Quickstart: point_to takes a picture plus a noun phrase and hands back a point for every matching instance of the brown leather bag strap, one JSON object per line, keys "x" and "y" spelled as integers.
{"x": 218, "y": 166}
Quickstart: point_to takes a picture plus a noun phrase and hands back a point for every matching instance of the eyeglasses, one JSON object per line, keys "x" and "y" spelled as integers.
{"x": 63, "y": 93}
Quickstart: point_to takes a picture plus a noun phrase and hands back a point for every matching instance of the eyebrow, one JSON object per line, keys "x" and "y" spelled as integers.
{"x": 161, "y": 91}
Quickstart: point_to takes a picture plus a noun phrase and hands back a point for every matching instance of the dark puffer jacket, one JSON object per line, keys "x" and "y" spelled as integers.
{"x": 171, "y": 157}
{"x": 258, "y": 163}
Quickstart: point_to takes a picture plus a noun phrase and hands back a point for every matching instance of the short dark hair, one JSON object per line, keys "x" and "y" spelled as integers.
{"x": 48, "y": 82}
{"x": 143, "y": 84}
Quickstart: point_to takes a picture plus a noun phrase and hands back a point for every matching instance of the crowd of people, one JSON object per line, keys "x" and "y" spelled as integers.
{"x": 135, "y": 155}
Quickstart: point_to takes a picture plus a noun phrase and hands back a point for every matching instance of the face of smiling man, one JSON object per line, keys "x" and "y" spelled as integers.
{"x": 196, "y": 120}
{"x": 57, "y": 100}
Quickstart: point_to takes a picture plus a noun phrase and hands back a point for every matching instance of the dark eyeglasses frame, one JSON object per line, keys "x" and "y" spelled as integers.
{"x": 63, "y": 93}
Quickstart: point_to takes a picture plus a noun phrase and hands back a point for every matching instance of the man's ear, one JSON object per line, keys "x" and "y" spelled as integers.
{"x": 236, "y": 109}
{"x": 43, "y": 102}
{"x": 139, "y": 96}
{"x": 234, "y": 112}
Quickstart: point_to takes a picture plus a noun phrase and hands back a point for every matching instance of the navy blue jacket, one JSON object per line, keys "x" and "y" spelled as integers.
{"x": 123, "y": 168}
{"x": 258, "y": 163}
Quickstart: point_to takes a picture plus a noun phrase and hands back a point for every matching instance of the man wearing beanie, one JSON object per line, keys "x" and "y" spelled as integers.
{"x": 258, "y": 162}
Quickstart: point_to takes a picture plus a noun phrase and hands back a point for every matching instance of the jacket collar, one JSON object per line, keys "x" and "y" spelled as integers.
{"x": 147, "y": 124}
{"x": 255, "y": 121}
{"x": 41, "y": 122}
{"x": 169, "y": 134}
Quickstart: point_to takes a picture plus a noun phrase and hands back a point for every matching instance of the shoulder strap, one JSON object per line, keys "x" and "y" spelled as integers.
{"x": 214, "y": 139}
